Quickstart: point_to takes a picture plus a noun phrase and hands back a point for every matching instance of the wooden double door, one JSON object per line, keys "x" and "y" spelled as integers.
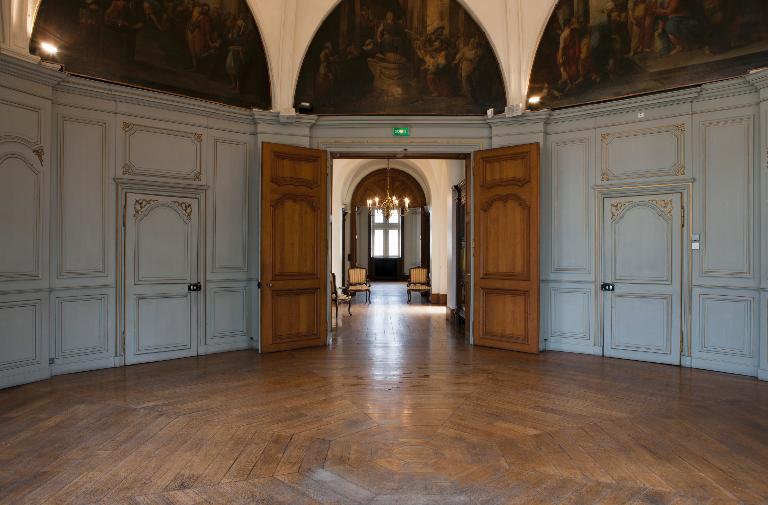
{"x": 504, "y": 210}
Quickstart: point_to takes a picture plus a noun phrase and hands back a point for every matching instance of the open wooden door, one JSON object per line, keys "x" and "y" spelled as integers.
{"x": 294, "y": 247}
{"x": 505, "y": 210}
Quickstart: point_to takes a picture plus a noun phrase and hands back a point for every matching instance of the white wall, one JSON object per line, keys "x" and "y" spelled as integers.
{"x": 436, "y": 177}
{"x": 514, "y": 28}
{"x": 66, "y": 146}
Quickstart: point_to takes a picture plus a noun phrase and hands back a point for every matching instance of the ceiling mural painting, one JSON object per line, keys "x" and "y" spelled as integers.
{"x": 205, "y": 49}
{"x": 595, "y": 50}
{"x": 400, "y": 57}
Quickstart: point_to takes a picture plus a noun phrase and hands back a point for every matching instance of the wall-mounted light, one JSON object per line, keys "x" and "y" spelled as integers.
{"x": 534, "y": 100}
{"x": 49, "y": 48}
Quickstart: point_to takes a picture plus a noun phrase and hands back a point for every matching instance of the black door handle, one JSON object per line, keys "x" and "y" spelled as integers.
{"x": 195, "y": 287}
{"x": 607, "y": 286}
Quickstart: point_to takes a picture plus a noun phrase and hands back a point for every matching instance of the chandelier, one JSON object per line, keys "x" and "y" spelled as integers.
{"x": 389, "y": 204}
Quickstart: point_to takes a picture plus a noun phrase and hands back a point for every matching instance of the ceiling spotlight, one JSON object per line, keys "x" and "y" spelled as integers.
{"x": 534, "y": 100}
{"x": 49, "y": 48}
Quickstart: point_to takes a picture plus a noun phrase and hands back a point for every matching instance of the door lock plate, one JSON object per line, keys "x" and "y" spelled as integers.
{"x": 607, "y": 286}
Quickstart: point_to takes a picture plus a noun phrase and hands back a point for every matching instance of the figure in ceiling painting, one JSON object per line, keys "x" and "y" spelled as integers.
{"x": 206, "y": 49}
{"x": 400, "y": 57}
{"x": 596, "y": 50}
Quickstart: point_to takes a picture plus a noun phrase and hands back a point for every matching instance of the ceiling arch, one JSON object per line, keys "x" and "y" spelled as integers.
{"x": 514, "y": 29}
{"x": 212, "y": 50}
{"x": 401, "y": 183}
{"x": 429, "y": 57}
{"x": 360, "y": 169}
{"x": 606, "y": 49}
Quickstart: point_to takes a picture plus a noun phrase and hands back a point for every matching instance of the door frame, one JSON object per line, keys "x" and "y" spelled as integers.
{"x": 685, "y": 190}
{"x": 338, "y": 150}
{"x": 125, "y": 186}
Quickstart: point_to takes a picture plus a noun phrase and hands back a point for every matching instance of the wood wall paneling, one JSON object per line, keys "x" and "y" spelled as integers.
{"x": 229, "y": 207}
{"x": 725, "y": 333}
{"x": 568, "y": 208}
{"x": 84, "y": 228}
{"x": 726, "y": 153}
{"x": 648, "y": 150}
{"x": 23, "y": 339}
{"x": 159, "y": 150}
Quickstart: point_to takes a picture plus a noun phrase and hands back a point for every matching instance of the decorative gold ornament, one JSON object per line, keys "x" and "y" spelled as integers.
{"x": 390, "y": 203}
{"x": 666, "y": 206}
{"x": 186, "y": 208}
{"x": 140, "y": 205}
{"x": 40, "y": 153}
{"x": 617, "y": 209}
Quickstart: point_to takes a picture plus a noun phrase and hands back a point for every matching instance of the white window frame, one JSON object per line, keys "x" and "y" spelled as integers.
{"x": 386, "y": 226}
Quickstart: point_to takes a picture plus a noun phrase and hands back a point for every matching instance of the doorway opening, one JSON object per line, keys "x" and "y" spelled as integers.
{"x": 302, "y": 246}
{"x": 407, "y": 257}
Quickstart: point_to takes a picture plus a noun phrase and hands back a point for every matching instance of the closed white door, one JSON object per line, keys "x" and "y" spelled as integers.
{"x": 161, "y": 277}
{"x": 642, "y": 264}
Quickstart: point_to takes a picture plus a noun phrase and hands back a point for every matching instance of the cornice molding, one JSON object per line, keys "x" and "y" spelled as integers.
{"x": 148, "y": 98}
{"x": 388, "y": 121}
{"x": 31, "y": 70}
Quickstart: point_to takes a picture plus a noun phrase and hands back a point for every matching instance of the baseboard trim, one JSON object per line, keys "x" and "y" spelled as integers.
{"x": 762, "y": 374}
{"x": 17, "y": 379}
{"x": 572, "y": 347}
{"x": 83, "y": 366}
{"x": 724, "y": 367}
{"x": 438, "y": 299}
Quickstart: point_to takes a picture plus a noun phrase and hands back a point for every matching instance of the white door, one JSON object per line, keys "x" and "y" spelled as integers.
{"x": 642, "y": 263}
{"x": 161, "y": 277}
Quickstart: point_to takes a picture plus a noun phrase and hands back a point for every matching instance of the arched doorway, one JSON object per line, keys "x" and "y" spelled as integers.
{"x": 412, "y": 230}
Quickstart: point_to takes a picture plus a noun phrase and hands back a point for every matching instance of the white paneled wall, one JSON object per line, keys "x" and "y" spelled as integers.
{"x": 703, "y": 143}
{"x": 71, "y": 148}
{"x": 68, "y": 147}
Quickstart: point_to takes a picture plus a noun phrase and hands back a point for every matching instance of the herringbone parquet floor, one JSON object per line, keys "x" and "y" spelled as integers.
{"x": 397, "y": 411}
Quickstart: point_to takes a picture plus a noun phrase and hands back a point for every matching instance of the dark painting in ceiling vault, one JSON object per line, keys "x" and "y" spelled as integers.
{"x": 210, "y": 50}
{"x": 400, "y": 57}
{"x": 594, "y": 50}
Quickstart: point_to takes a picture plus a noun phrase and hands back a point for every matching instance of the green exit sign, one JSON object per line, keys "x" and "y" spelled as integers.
{"x": 401, "y": 131}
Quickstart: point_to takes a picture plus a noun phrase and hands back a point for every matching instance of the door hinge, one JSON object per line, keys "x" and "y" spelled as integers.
{"x": 682, "y": 213}
{"x": 125, "y": 207}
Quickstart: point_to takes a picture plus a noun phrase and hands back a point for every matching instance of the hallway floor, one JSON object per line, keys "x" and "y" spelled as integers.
{"x": 398, "y": 410}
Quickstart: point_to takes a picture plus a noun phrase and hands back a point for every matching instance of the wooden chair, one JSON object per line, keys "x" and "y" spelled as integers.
{"x": 358, "y": 282}
{"x": 418, "y": 281}
{"x": 339, "y": 296}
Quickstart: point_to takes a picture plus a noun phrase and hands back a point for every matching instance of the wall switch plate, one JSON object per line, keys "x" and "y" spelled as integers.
{"x": 695, "y": 246}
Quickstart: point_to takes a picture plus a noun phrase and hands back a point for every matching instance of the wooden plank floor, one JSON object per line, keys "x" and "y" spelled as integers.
{"x": 397, "y": 411}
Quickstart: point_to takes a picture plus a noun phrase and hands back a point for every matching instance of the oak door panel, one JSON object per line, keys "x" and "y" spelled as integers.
{"x": 505, "y": 209}
{"x": 294, "y": 248}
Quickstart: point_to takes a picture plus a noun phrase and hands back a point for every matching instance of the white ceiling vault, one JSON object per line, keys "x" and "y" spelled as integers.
{"x": 513, "y": 27}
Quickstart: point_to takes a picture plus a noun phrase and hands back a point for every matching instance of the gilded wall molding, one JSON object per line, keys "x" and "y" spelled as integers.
{"x": 40, "y": 153}
{"x": 675, "y": 167}
{"x": 136, "y": 161}
{"x": 185, "y": 208}
{"x": 141, "y": 205}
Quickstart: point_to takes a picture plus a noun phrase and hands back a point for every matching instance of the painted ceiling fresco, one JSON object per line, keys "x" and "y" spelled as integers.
{"x": 204, "y": 49}
{"x": 594, "y": 50}
{"x": 400, "y": 57}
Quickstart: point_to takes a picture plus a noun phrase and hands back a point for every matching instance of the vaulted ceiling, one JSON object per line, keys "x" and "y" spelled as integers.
{"x": 584, "y": 50}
